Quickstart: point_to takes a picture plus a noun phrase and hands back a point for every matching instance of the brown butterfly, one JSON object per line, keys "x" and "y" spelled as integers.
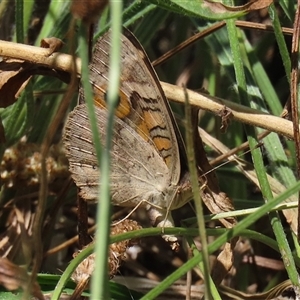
{"x": 148, "y": 155}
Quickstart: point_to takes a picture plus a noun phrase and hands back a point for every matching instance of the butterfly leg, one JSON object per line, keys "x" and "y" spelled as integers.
{"x": 128, "y": 215}
{"x": 159, "y": 217}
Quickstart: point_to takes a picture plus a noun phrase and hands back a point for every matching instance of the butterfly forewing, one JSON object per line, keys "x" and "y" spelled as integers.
{"x": 142, "y": 105}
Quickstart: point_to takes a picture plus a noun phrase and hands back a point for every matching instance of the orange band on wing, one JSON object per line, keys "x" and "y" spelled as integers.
{"x": 123, "y": 109}
{"x": 159, "y": 134}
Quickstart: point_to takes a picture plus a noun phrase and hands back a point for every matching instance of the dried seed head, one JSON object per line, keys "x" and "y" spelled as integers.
{"x": 21, "y": 166}
{"x": 117, "y": 251}
{"x": 117, "y": 254}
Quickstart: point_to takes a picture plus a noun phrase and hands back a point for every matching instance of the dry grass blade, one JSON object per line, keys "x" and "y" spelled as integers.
{"x": 247, "y": 169}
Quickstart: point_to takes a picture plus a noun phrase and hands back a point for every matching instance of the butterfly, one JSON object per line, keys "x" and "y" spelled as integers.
{"x": 148, "y": 157}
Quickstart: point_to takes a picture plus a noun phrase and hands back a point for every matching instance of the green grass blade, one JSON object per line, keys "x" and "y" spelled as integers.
{"x": 99, "y": 284}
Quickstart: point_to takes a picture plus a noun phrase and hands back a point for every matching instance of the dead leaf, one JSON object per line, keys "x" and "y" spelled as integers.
{"x": 53, "y": 44}
{"x": 257, "y": 4}
{"x": 218, "y": 7}
{"x": 14, "y": 76}
{"x": 13, "y": 277}
{"x": 226, "y": 116}
{"x": 88, "y": 10}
